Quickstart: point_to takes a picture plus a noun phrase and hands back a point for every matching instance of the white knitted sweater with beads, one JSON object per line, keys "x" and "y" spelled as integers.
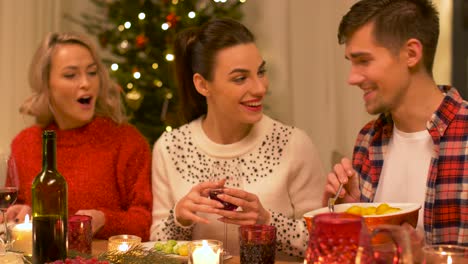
{"x": 279, "y": 164}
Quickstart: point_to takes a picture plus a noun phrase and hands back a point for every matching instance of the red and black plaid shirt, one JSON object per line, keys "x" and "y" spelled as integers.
{"x": 446, "y": 200}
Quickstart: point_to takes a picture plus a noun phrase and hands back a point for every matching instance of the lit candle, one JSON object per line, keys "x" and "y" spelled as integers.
{"x": 444, "y": 254}
{"x": 22, "y": 235}
{"x": 123, "y": 247}
{"x": 122, "y": 243}
{"x": 205, "y": 254}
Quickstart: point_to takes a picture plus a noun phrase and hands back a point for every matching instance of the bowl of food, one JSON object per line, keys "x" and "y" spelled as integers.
{"x": 374, "y": 214}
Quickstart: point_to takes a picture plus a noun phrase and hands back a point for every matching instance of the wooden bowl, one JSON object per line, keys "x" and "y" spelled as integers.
{"x": 409, "y": 214}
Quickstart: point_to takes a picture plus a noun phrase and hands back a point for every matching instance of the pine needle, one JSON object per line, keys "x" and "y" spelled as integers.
{"x": 138, "y": 255}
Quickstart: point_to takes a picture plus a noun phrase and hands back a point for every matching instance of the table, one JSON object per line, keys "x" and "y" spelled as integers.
{"x": 100, "y": 246}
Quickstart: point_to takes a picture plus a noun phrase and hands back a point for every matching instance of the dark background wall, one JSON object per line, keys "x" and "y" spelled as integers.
{"x": 460, "y": 46}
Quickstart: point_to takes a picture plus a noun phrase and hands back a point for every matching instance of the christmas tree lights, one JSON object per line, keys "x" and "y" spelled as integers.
{"x": 139, "y": 34}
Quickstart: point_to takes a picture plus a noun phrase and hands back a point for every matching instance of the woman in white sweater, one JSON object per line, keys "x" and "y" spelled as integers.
{"x": 222, "y": 84}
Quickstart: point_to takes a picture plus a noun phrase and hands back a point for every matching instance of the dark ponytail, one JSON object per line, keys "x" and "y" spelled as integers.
{"x": 192, "y": 104}
{"x": 195, "y": 52}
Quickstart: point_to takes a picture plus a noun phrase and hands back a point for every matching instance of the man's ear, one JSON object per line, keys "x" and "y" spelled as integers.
{"x": 201, "y": 84}
{"x": 414, "y": 52}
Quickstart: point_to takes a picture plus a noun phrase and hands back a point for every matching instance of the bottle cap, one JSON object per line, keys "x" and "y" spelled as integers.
{"x": 48, "y": 134}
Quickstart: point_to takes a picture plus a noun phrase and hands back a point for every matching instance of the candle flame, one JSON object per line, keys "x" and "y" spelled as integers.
{"x": 449, "y": 260}
{"x": 123, "y": 247}
{"x": 26, "y": 219}
{"x": 205, "y": 244}
{"x": 206, "y": 254}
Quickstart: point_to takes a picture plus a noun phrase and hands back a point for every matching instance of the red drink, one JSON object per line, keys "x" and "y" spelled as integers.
{"x": 8, "y": 196}
{"x": 214, "y": 196}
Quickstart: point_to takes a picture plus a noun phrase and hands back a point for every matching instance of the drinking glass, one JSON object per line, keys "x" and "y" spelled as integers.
{"x": 336, "y": 238}
{"x": 80, "y": 235}
{"x": 229, "y": 170}
{"x": 9, "y": 185}
{"x": 344, "y": 238}
{"x": 257, "y": 244}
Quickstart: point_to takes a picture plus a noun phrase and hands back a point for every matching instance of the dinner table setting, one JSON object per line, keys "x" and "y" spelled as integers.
{"x": 346, "y": 233}
{"x": 100, "y": 246}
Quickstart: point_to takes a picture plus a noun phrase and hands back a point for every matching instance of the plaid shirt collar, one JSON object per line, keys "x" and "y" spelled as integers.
{"x": 438, "y": 123}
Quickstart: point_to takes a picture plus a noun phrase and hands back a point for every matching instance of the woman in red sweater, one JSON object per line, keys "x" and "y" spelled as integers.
{"x": 105, "y": 161}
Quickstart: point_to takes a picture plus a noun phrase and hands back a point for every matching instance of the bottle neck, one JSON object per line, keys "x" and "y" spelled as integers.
{"x": 48, "y": 150}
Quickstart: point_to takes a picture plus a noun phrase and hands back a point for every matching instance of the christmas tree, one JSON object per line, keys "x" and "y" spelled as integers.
{"x": 139, "y": 34}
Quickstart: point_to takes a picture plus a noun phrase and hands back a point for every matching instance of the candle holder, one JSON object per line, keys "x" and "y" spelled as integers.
{"x": 450, "y": 254}
{"x": 205, "y": 252}
{"x": 122, "y": 243}
{"x": 80, "y": 234}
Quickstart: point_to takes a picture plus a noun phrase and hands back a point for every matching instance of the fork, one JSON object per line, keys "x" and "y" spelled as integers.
{"x": 332, "y": 200}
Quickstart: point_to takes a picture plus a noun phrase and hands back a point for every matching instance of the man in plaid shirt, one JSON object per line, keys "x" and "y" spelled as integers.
{"x": 416, "y": 150}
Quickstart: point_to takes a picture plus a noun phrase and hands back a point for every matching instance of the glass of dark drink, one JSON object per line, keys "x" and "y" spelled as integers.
{"x": 9, "y": 185}
{"x": 229, "y": 170}
{"x": 214, "y": 196}
{"x": 257, "y": 244}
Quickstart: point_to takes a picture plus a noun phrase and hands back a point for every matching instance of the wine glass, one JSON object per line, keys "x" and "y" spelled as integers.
{"x": 9, "y": 185}
{"x": 229, "y": 170}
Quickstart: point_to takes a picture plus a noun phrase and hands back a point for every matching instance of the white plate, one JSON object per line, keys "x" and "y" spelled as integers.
{"x": 150, "y": 245}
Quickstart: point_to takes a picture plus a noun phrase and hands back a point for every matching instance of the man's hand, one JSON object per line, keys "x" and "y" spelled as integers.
{"x": 343, "y": 172}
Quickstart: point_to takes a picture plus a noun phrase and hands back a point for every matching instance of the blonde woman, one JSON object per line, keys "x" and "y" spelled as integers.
{"x": 105, "y": 161}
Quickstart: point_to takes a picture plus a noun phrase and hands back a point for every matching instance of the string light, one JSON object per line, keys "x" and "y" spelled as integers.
{"x": 121, "y": 28}
{"x": 158, "y": 83}
{"x": 191, "y": 14}
{"x": 168, "y": 128}
{"x": 127, "y": 25}
{"x": 129, "y": 86}
{"x": 141, "y": 16}
{"x": 133, "y": 95}
{"x": 155, "y": 66}
{"x": 114, "y": 66}
{"x": 175, "y": 2}
{"x": 242, "y": 1}
{"x": 169, "y": 57}
{"x": 165, "y": 26}
{"x": 124, "y": 44}
{"x": 136, "y": 75}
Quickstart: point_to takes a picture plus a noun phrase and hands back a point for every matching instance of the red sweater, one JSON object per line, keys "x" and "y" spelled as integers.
{"x": 107, "y": 168}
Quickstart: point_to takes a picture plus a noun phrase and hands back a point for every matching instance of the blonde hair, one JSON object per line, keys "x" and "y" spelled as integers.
{"x": 108, "y": 103}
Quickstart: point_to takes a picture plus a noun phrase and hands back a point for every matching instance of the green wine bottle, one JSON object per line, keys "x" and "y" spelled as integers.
{"x": 49, "y": 207}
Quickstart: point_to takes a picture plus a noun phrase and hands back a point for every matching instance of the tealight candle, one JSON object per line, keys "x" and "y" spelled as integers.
{"x": 22, "y": 236}
{"x": 123, "y": 243}
{"x": 205, "y": 252}
{"x": 449, "y": 254}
